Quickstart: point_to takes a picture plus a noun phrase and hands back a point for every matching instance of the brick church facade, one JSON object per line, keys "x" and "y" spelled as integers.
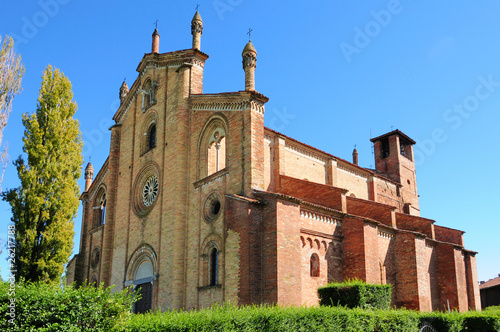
{"x": 199, "y": 203}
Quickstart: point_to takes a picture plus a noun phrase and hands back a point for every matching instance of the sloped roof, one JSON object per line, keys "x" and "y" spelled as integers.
{"x": 398, "y": 132}
{"x": 490, "y": 283}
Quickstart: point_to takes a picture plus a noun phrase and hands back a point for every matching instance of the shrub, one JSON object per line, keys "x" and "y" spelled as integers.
{"x": 355, "y": 294}
{"x": 482, "y": 321}
{"x": 48, "y": 307}
{"x": 257, "y": 318}
{"x": 443, "y": 322}
{"x": 493, "y": 308}
{"x": 477, "y": 321}
{"x": 397, "y": 320}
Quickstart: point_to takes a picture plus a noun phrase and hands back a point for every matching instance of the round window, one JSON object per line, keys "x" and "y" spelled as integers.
{"x": 146, "y": 189}
{"x": 212, "y": 207}
{"x": 150, "y": 190}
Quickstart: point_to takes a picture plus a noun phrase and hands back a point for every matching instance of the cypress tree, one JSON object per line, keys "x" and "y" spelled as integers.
{"x": 44, "y": 206}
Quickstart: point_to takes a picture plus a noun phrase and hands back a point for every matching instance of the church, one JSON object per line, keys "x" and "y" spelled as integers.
{"x": 199, "y": 203}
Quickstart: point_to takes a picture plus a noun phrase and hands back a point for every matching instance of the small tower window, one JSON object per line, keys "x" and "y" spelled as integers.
{"x": 402, "y": 149}
{"x": 314, "y": 265}
{"x": 405, "y": 150}
{"x": 152, "y": 137}
{"x": 385, "y": 148}
{"x": 213, "y": 267}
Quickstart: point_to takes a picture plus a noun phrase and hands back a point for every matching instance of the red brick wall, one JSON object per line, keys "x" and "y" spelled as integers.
{"x": 321, "y": 235}
{"x": 445, "y": 234}
{"x": 289, "y": 253}
{"x": 353, "y": 258}
{"x": 108, "y": 237}
{"x": 325, "y": 195}
{"x": 423, "y": 261}
{"x": 386, "y": 257}
{"x": 369, "y": 209}
{"x": 463, "y": 301}
{"x": 269, "y": 252}
{"x": 416, "y": 224}
{"x": 372, "y": 264}
{"x": 446, "y": 276}
{"x": 472, "y": 282}
{"x": 245, "y": 218}
{"x": 406, "y": 271}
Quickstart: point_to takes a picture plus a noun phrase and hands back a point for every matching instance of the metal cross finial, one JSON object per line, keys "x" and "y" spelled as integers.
{"x": 249, "y": 33}
{"x": 355, "y": 145}
{"x": 156, "y": 24}
{"x": 197, "y": 6}
{"x": 392, "y": 128}
{"x": 90, "y": 159}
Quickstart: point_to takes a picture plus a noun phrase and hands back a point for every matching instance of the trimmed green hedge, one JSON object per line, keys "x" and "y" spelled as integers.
{"x": 355, "y": 294}
{"x": 40, "y": 307}
{"x": 44, "y": 307}
{"x": 276, "y": 319}
{"x": 481, "y": 321}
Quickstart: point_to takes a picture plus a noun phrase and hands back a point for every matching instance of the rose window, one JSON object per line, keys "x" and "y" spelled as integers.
{"x": 150, "y": 190}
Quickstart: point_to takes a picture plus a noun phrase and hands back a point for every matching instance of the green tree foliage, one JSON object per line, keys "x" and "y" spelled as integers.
{"x": 44, "y": 206}
{"x": 11, "y": 74}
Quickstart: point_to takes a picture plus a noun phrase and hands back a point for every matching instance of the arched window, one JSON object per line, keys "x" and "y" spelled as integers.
{"x": 152, "y": 137}
{"x": 102, "y": 212}
{"x": 216, "y": 152}
{"x": 213, "y": 267}
{"x": 148, "y": 94}
{"x": 314, "y": 265}
{"x": 99, "y": 208}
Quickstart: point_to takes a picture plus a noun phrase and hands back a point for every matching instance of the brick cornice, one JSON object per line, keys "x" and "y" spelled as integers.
{"x": 244, "y": 199}
{"x": 320, "y": 234}
{"x": 211, "y": 178}
{"x": 173, "y": 59}
{"x": 232, "y": 101}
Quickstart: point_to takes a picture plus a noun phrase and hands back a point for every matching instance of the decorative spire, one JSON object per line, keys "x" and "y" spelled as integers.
{"x": 123, "y": 91}
{"x": 156, "y": 40}
{"x": 197, "y": 29}
{"x": 89, "y": 175}
{"x": 249, "y": 64}
{"x": 355, "y": 156}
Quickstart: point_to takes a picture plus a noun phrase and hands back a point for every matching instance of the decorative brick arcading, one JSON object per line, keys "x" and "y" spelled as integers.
{"x": 308, "y": 154}
{"x": 320, "y": 217}
{"x": 385, "y": 235}
{"x": 351, "y": 171}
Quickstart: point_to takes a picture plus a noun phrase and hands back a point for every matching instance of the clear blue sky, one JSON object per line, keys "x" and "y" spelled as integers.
{"x": 336, "y": 72}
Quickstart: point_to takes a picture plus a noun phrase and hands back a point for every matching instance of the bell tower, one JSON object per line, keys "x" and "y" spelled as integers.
{"x": 394, "y": 159}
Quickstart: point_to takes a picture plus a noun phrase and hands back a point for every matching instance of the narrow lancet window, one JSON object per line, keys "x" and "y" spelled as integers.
{"x": 213, "y": 267}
